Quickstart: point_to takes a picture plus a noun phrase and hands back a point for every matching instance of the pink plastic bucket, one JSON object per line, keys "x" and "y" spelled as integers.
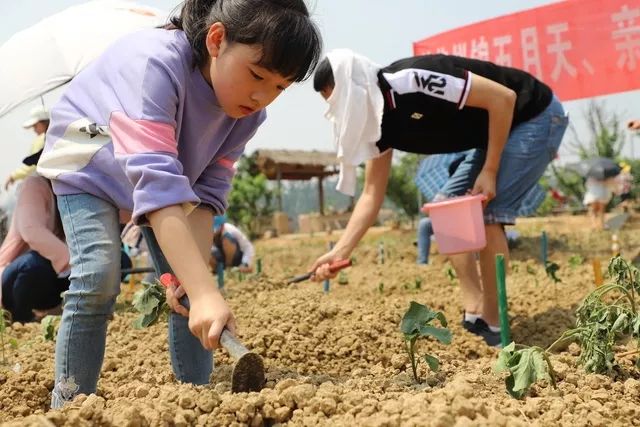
{"x": 458, "y": 224}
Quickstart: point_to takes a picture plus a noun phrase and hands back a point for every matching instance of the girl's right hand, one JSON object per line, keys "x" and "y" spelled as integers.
{"x": 208, "y": 316}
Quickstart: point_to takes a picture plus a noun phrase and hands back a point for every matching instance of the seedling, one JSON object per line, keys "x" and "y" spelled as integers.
{"x": 418, "y": 283}
{"x": 50, "y": 325}
{"x": 607, "y": 315}
{"x": 5, "y": 317}
{"x": 150, "y": 302}
{"x": 343, "y": 279}
{"x": 525, "y": 366}
{"x": 416, "y": 323}
{"x": 551, "y": 268}
{"x": 576, "y": 261}
{"x": 381, "y": 287}
{"x": 381, "y": 253}
{"x": 450, "y": 273}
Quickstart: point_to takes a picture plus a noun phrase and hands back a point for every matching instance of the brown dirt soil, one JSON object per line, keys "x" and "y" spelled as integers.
{"x": 338, "y": 359}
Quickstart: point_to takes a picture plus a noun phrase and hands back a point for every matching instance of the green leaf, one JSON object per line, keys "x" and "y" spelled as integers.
{"x": 441, "y": 334}
{"x": 13, "y": 343}
{"x": 416, "y": 316}
{"x": 551, "y": 268}
{"x": 49, "y": 327}
{"x": 433, "y": 362}
{"x": 503, "y": 358}
{"x": 526, "y": 367}
{"x": 576, "y": 260}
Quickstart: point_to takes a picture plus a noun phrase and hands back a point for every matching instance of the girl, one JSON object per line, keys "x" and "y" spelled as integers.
{"x": 439, "y": 104}
{"x": 154, "y": 127}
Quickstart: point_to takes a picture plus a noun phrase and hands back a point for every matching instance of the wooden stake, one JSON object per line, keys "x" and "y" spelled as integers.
{"x": 597, "y": 272}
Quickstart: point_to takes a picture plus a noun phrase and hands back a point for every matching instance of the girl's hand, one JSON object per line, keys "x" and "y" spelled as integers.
{"x": 485, "y": 184}
{"x": 320, "y": 267}
{"x": 208, "y": 317}
{"x": 173, "y": 293}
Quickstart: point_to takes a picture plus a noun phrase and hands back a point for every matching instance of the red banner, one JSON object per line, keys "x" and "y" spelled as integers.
{"x": 581, "y": 48}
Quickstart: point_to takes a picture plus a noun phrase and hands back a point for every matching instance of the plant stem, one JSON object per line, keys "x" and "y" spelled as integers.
{"x": 412, "y": 358}
{"x": 565, "y": 335}
{"x": 552, "y": 374}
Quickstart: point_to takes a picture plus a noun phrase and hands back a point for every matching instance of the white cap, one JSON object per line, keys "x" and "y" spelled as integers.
{"x": 37, "y": 114}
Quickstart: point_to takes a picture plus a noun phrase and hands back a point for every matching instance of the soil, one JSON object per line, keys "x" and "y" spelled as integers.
{"x": 338, "y": 359}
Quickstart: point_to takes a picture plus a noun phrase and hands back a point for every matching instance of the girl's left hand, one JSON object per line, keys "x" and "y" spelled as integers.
{"x": 173, "y": 294}
{"x": 485, "y": 184}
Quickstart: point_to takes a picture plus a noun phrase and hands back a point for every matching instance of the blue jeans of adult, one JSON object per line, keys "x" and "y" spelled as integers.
{"x": 93, "y": 237}
{"x": 425, "y": 231}
{"x": 29, "y": 283}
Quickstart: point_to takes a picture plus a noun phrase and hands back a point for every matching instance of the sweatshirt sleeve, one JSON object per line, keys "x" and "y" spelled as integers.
{"x": 214, "y": 184}
{"x": 145, "y": 144}
{"x": 33, "y": 214}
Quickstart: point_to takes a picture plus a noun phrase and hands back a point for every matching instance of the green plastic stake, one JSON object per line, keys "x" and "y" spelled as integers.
{"x": 544, "y": 246}
{"x": 327, "y": 285}
{"x": 220, "y": 275}
{"x": 503, "y": 312}
{"x": 259, "y": 266}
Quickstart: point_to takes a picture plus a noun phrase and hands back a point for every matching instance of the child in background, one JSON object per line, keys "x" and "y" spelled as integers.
{"x": 153, "y": 127}
{"x": 597, "y": 196}
{"x": 231, "y": 248}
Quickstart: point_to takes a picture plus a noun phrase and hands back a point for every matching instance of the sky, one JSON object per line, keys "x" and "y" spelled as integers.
{"x": 381, "y": 29}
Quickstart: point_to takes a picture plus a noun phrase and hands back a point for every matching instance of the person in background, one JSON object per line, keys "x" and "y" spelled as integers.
{"x": 34, "y": 258}
{"x": 597, "y": 196}
{"x": 38, "y": 121}
{"x": 459, "y": 181}
{"x": 230, "y": 247}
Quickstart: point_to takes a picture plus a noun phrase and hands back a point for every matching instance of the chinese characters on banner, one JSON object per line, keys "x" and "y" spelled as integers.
{"x": 581, "y": 48}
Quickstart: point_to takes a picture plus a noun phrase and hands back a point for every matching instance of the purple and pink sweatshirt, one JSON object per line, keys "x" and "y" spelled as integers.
{"x": 141, "y": 128}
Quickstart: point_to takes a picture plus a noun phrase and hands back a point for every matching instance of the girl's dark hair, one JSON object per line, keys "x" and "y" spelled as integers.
{"x": 290, "y": 41}
{"x": 323, "y": 78}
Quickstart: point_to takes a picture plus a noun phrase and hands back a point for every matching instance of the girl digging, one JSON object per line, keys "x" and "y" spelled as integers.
{"x": 153, "y": 127}
{"x": 440, "y": 104}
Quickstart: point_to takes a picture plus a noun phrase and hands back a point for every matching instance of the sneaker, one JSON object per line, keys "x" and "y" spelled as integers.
{"x": 481, "y": 328}
{"x": 469, "y": 326}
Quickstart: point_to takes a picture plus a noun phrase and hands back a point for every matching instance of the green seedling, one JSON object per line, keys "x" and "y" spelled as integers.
{"x": 150, "y": 302}
{"x": 381, "y": 287}
{"x": 609, "y": 314}
{"x": 576, "y": 261}
{"x": 50, "y": 325}
{"x": 525, "y": 365}
{"x": 551, "y": 268}
{"x": 418, "y": 283}
{"x": 417, "y": 323}
{"x": 343, "y": 279}
{"x": 450, "y": 273}
{"x": 5, "y": 319}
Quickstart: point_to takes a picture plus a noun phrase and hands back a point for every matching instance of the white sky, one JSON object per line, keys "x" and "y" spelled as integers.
{"x": 380, "y": 29}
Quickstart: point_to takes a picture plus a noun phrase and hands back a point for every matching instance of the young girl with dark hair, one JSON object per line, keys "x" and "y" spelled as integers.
{"x": 153, "y": 127}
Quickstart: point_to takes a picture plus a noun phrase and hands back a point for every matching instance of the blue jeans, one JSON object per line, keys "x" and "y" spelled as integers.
{"x": 531, "y": 146}
{"x": 28, "y": 283}
{"x": 425, "y": 231}
{"x": 93, "y": 236}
